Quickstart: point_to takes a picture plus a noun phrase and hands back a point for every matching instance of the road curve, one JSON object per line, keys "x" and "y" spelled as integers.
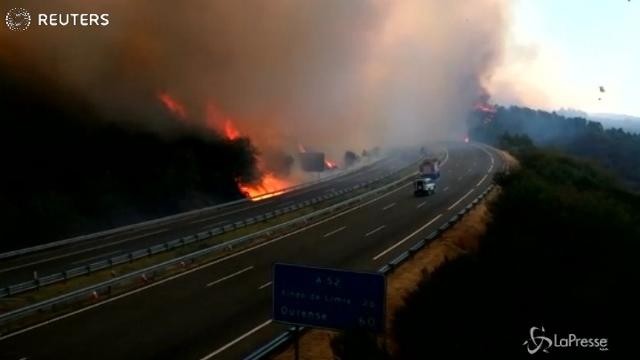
{"x": 221, "y": 310}
{"x": 21, "y": 268}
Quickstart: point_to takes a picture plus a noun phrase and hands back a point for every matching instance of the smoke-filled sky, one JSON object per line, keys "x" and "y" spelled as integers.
{"x": 330, "y": 74}
{"x": 559, "y": 52}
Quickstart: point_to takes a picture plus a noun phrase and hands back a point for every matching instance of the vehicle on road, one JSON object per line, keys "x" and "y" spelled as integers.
{"x": 424, "y": 185}
{"x": 429, "y": 168}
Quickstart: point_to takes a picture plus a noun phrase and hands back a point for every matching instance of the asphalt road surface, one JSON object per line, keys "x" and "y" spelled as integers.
{"x": 221, "y": 310}
{"x": 55, "y": 260}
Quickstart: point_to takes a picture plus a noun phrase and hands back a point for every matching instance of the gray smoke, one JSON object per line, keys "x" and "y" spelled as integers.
{"x": 330, "y": 74}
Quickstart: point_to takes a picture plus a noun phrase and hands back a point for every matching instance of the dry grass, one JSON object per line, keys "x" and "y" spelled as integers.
{"x": 510, "y": 160}
{"x": 460, "y": 239}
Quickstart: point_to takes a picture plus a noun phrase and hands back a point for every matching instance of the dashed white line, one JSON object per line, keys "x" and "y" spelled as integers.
{"x": 198, "y": 268}
{"x": 481, "y": 180}
{"x": 389, "y": 206}
{"x": 230, "y": 276}
{"x": 459, "y": 178}
{"x": 421, "y": 205}
{"x": 462, "y": 198}
{"x": 237, "y": 340}
{"x": 445, "y": 188}
{"x": 334, "y": 231}
{"x": 407, "y": 237}
{"x": 375, "y": 230}
{"x": 265, "y": 285}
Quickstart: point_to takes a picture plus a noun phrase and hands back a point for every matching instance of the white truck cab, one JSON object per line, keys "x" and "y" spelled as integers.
{"x": 424, "y": 185}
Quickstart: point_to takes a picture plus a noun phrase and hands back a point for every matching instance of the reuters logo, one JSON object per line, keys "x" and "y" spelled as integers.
{"x": 18, "y": 19}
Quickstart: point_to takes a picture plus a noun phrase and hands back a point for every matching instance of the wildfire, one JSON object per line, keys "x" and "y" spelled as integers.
{"x": 173, "y": 105}
{"x": 230, "y": 130}
{"x": 330, "y": 164}
{"x": 269, "y": 186}
{"x": 484, "y": 107}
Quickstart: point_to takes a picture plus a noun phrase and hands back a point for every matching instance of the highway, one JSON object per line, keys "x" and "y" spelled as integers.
{"x": 18, "y": 269}
{"x": 221, "y": 310}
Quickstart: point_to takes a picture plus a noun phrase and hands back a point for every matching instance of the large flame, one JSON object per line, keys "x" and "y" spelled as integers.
{"x": 269, "y": 186}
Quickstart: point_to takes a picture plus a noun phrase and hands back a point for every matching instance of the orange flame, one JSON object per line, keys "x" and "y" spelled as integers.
{"x": 269, "y": 186}
{"x": 230, "y": 130}
{"x": 330, "y": 164}
{"x": 173, "y": 105}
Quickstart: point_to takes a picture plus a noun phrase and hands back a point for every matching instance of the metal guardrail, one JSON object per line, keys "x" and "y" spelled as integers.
{"x": 86, "y": 269}
{"x": 149, "y": 272}
{"x": 287, "y": 336}
{"x": 186, "y": 214}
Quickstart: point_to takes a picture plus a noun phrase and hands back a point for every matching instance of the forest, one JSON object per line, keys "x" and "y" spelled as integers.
{"x": 69, "y": 169}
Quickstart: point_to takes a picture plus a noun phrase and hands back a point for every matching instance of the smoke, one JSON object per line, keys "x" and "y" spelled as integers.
{"x": 331, "y": 74}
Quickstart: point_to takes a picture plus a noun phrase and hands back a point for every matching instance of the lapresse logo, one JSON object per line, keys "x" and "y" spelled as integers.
{"x": 538, "y": 342}
{"x": 19, "y": 19}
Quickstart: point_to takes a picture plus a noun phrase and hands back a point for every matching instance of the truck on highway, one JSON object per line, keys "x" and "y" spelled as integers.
{"x": 425, "y": 184}
{"x": 429, "y": 168}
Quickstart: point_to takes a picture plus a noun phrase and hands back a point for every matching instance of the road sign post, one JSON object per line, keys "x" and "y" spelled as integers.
{"x": 328, "y": 298}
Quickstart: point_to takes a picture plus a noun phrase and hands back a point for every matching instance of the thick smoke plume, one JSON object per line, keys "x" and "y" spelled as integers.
{"x": 330, "y": 74}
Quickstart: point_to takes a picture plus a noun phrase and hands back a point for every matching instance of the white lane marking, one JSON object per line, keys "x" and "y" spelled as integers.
{"x": 490, "y": 168}
{"x": 389, "y": 206}
{"x": 265, "y": 285}
{"x": 334, "y": 231}
{"x": 407, "y": 237}
{"x": 375, "y": 230}
{"x": 230, "y": 276}
{"x": 446, "y": 188}
{"x": 446, "y": 157}
{"x": 204, "y": 266}
{"x": 421, "y": 205}
{"x": 481, "y": 180}
{"x": 459, "y": 178}
{"x": 82, "y": 251}
{"x": 462, "y": 198}
{"x": 237, "y": 340}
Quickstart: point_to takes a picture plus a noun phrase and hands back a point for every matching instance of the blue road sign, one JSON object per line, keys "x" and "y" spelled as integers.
{"x": 328, "y": 298}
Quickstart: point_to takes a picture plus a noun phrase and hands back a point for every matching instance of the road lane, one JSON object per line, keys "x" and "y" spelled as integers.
{"x": 21, "y": 269}
{"x": 183, "y": 319}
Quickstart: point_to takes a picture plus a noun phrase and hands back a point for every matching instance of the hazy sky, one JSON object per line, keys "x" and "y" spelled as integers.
{"x": 560, "y": 51}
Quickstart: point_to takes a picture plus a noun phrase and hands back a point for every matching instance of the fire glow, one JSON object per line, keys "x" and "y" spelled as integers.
{"x": 173, "y": 105}
{"x": 330, "y": 164}
{"x": 268, "y": 185}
